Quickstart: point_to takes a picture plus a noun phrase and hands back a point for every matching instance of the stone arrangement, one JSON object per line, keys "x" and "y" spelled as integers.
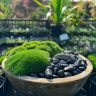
{"x": 63, "y": 65}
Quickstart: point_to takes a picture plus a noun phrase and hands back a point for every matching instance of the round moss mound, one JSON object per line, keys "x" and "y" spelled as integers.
{"x": 31, "y": 44}
{"x": 49, "y": 46}
{"x": 28, "y": 61}
{"x": 16, "y": 50}
{"x": 92, "y": 57}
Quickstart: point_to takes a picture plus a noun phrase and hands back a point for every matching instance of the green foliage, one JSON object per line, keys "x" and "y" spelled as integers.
{"x": 59, "y": 11}
{"x": 6, "y": 8}
{"x": 29, "y": 61}
{"x": 92, "y": 57}
{"x": 49, "y": 46}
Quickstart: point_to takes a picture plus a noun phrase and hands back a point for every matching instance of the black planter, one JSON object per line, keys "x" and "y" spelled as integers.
{"x": 93, "y": 84}
{"x": 56, "y": 30}
{"x": 2, "y": 82}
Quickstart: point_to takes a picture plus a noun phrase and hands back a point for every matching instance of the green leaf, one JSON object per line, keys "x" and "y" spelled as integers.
{"x": 40, "y": 4}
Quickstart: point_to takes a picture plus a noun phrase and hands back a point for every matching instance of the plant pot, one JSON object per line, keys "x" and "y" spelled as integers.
{"x": 93, "y": 84}
{"x": 31, "y": 86}
{"x": 56, "y": 30}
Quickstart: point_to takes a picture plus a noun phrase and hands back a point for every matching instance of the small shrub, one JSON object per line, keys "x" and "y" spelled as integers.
{"x": 28, "y": 61}
{"x": 92, "y": 57}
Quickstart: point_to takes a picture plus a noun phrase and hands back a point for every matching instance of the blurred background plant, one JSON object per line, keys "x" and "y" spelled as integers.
{"x": 58, "y": 11}
{"x": 5, "y": 9}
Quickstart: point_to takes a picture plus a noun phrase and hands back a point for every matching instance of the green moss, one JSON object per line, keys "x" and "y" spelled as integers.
{"x": 28, "y": 61}
{"x": 2, "y": 58}
{"x": 31, "y": 44}
{"x": 16, "y": 50}
{"x": 92, "y": 57}
{"x": 49, "y": 46}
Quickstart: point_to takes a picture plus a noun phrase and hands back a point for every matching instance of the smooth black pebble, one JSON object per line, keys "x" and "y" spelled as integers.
{"x": 56, "y": 69}
{"x": 67, "y": 74}
{"x": 41, "y": 75}
{"x": 33, "y": 75}
{"x": 60, "y": 73}
{"x": 55, "y": 76}
{"x": 82, "y": 68}
{"x": 75, "y": 72}
{"x": 48, "y": 74}
{"x": 69, "y": 68}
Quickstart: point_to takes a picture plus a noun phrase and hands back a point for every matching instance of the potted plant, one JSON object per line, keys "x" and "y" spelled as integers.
{"x": 43, "y": 68}
{"x": 58, "y": 12}
{"x": 6, "y": 9}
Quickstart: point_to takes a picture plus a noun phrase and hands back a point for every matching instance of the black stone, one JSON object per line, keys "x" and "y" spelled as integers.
{"x": 69, "y": 62}
{"x": 76, "y": 64}
{"x": 33, "y": 75}
{"x": 62, "y": 62}
{"x": 55, "y": 76}
{"x": 78, "y": 71}
{"x": 60, "y": 73}
{"x": 48, "y": 74}
{"x": 67, "y": 74}
{"x": 74, "y": 67}
{"x": 82, "y": 68}
{"x": 64, "y": 65}
{"x": 83, "y": 63}
{"x": 75, "y": 72}
{"x": 55, "y": 62}
{"x": 56, "y": 69}
{"x": 59, "y": 67}
{"x": 51, "y": 67}
{"x": 69, "y": 68}
{"x": 41, "y": 75}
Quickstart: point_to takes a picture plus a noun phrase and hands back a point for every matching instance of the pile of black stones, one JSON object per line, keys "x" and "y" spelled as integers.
{"x": 63, "y": 65}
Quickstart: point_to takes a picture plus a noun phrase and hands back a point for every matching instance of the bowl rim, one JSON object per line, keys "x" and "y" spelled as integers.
{"x": 66, "y": 80}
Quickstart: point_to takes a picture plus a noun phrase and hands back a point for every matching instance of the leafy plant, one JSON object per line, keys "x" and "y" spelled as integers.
{"x": 28, "y": 61}
{"x": 5, "y": 6}
{"x": 59, "y": 11}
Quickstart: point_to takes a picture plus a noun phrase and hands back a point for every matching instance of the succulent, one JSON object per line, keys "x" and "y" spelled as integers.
{"x": 28, "y": 61}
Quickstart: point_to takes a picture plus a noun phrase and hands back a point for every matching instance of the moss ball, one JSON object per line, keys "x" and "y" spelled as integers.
{"x": 31, "y": 44}
{"x": 92, "y": 57}
{"x": 16, "y": 50}
{"x": 49, "y": 46}
{"x": 28, "y": 61}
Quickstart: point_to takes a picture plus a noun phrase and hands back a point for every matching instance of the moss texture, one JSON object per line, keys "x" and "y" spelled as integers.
{"x": 31, "y": 44}
{"x": 28, "y": 61}
{"x": 49, "y": 46}
{"x": 16, "y": 50}
{"x": 92, "y": 57}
